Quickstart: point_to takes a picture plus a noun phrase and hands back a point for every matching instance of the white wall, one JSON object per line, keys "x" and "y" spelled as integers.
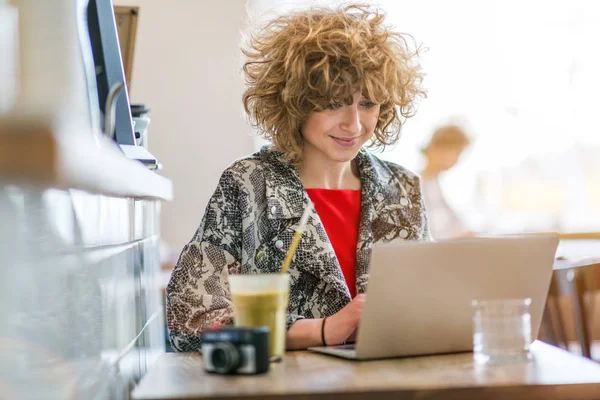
{"x": 187, "y": 70}
{"x": 8, "y": 56}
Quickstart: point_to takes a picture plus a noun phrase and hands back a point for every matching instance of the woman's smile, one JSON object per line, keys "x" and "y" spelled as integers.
{"x": 346, "y": 141}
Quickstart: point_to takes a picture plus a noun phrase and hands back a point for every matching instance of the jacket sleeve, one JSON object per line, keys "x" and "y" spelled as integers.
{"x": 424, "y": 217}
{"x": 198, "y": 292}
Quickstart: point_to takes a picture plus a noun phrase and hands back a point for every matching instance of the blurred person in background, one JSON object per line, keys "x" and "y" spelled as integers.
{"x": 441, "y": 154}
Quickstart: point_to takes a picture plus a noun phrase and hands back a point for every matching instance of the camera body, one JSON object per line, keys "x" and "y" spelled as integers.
{"x": 232, "y": 350}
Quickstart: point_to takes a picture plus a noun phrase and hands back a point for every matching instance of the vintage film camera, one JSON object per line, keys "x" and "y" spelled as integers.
{"x": 231, "y": 350}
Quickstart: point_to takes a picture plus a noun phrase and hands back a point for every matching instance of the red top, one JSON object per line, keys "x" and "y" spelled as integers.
{"x": 339, "y": 211}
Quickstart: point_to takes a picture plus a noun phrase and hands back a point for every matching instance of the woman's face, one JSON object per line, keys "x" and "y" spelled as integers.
{"x": 339, "y": 131}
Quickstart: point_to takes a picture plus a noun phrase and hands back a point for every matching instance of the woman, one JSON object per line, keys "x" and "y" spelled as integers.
{"x": 321, "y": 85}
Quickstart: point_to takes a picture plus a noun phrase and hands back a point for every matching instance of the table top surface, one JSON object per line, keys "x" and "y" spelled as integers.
{"x": 576, "y": 253}
{"x": 552, "y": 374}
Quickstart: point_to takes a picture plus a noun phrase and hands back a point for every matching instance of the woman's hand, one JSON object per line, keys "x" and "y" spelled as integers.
{"x": 342, "y": 325}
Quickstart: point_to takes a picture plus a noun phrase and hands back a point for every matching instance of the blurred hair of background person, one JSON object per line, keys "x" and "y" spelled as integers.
{"x": 441, "y": 154}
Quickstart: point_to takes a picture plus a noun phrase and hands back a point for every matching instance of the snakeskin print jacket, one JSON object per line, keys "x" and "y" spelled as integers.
{"x": 249, "y": 224}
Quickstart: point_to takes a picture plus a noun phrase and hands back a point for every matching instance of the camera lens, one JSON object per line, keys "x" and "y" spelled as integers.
{"x": 225, "y": 358}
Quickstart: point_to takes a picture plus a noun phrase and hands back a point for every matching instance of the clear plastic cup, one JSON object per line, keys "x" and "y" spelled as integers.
{"x": 501, "y": 331}
{"x": 262, "y": 300}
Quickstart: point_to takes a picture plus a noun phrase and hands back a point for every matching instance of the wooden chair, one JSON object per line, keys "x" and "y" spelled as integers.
{"x": 572, "y": 279}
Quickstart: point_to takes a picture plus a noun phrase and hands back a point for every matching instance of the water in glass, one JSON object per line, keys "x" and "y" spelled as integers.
{"x": 501, "y": 331}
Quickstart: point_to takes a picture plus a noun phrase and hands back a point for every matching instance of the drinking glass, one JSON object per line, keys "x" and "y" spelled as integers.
{"x": 501, "y": 330}
{"x": 262, "y": 300}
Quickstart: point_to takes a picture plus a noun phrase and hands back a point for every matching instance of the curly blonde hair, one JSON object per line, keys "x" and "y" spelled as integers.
{"x": 302, "y": 62}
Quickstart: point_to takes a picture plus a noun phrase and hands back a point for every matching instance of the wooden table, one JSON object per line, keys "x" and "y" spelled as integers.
{"x": 553, "y": 374}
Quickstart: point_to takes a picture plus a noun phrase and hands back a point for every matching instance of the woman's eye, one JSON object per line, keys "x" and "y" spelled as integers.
{"x": 334, "y": 106}
{"x": 367, "y": 104}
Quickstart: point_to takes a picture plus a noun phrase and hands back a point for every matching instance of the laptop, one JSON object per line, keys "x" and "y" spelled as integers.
{"x": 419, "y": 293}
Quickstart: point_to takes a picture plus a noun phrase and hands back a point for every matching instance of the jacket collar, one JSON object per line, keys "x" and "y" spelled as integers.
{"x": 286, "y": 197}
